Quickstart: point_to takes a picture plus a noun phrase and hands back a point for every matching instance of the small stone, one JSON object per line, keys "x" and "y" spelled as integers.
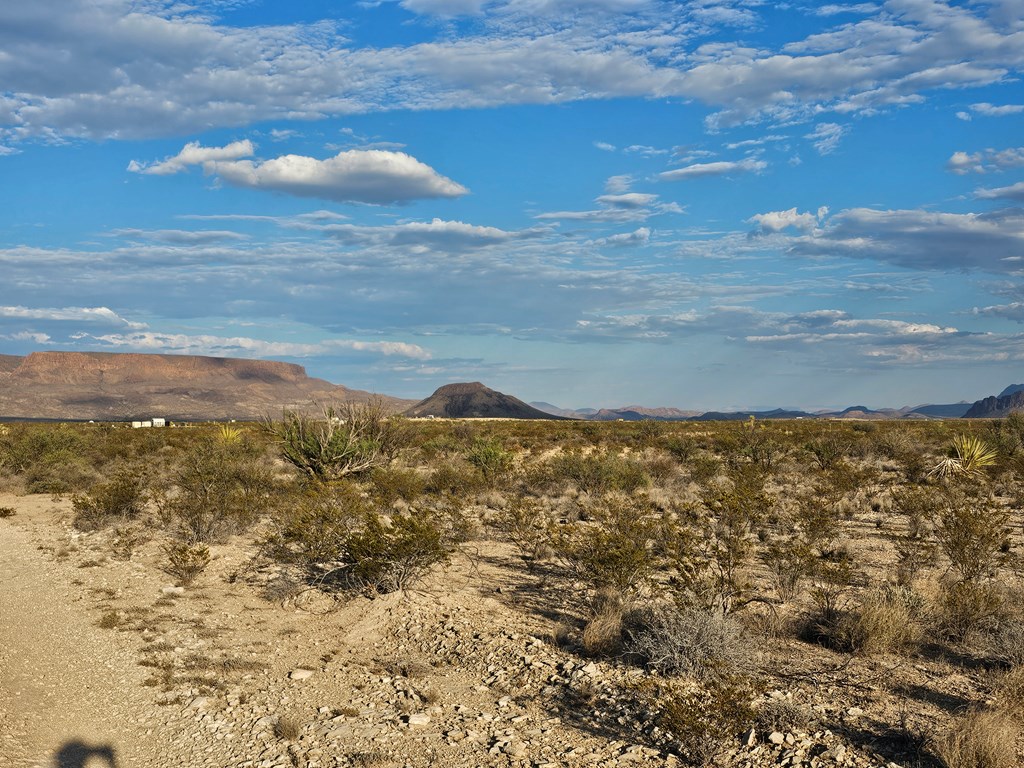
{"x": 300, "y": 674}
{"x": 855, "y": 711}
{"x": 776, "y": 737}
{"x": 592, "y": 669}
{"x": 417, "y": 720}
{"x": 172, "y": 591}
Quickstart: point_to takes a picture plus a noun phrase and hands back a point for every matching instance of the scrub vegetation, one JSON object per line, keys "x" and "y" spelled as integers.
{"x": 717, "y": 561}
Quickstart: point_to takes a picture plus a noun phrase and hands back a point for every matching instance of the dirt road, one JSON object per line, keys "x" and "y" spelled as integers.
{"x": 70, "y": 692}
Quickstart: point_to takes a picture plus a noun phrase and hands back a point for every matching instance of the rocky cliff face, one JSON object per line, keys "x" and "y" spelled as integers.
{"x": 112, "y": 386}
{"x": 996, "y": 407}
{"x": 474, "y": 401}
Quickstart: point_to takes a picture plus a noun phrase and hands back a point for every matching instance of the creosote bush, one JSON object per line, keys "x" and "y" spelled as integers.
{"x": 342, "y": 543}
{"x": 701, "y": 719}
{"x": 186, "y": 561}
{"x": 120, "y": 500}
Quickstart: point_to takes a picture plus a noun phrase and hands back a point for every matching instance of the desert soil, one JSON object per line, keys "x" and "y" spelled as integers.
{"x": 103, "y": 656}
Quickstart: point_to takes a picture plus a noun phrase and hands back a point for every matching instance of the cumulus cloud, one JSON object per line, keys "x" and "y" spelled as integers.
{"x": 194, "y": 153}
{"x": 991, "y": 242}
{"x": 623, "y": 207}
{"x": 776, "y": 221}
{"x": 640, "y": 236}
{"x": 354, "y": 176}
{"x": 985, "y": 161}
{"x": 718, "y": 168}
{"x": 628, "y": 200}
{"x": 1012, "y": 311}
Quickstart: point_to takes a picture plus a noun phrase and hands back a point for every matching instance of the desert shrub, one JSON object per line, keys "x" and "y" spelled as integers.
{"x": 615, "y": 550}
{"x": 915, "y": 548}
{"x": 455, "y": 477}
{"x": 119, "y": 500}
{"x": 964, "y": 606}
{"x": 681, "y": 448}
{"x": 287, "y": 728}
{"x": 7, "y": 512}
{"x": 827, "y": 451}
{"x": 524, "y": 524}
{"x": 969, "y": 456}
{"x": 126, "y": 539}
{"x": 687, "y": 641}
{"x": 972, "y": 531}
{"x": 704, "y": 468}
{"x": 735, "y": 510}
{"x": 785, "y": 715}
{"x": 216, "y": 490}
{"x": 702, "y": 720}
{"x": 348, "y": 441}
{"x": 185, "y": 561}
{"x": 599, "y": 473}
{"x": 981, "y": 739}
{"x": 790, "y": 561}
{"x": 389, "y": 484}
{"x": 490, "y": 458}
{"x": 831, "y": 582}
{"x": 340, "y": 542}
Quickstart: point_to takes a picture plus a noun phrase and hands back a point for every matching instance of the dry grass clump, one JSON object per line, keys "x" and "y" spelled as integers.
{"x": 602, "y": 635}
{"x": 981, "y": 739}
{"x": 886, "y": 621}
{"x": 287, "y": 728}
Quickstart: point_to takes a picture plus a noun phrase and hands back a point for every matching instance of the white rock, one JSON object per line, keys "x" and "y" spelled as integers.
{"x": 300, "y": 674}
{"x": 418, "y": 720}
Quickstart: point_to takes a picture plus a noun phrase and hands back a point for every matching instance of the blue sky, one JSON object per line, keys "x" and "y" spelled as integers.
{"x": 713, "y": 204}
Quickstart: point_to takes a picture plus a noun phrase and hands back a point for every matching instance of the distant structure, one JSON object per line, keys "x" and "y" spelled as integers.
{"x": 155, "y": 422}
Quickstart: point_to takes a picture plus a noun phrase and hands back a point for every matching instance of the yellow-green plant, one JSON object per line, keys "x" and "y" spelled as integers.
{"x": 972, "y": 455}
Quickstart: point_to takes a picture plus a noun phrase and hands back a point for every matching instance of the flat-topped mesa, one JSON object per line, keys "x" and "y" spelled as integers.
{"x": 94, "y": 368}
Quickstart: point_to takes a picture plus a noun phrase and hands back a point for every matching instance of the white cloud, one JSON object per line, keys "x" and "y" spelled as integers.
{"x": 719, "y": 168}
{"x": 81, "y": 314}
{"x": 836, "y": 9}
{"x": 826, "y": 137}
{"x": 628, "y": 200}
{"x": 241, "y": 346}
{"x": 616, "y": 185}
{"x": 640, "y": 236}
{"x": 1012, "y": 192}
{"x": 437, "y": 234}
{"x": 776, "y": 221}
{"x": 194, "y": 154}
{"x": 444, "y": 7}
{"x": 991, "y": 110}
{"x": 985, "y": 161}
{"x": 604, "y": 146}
{"x": 991, "y": 242}
{"x": 354, "y": 176}
{"x": 179, "y": 236}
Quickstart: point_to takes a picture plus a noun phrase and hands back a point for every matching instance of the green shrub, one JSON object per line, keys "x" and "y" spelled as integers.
{"x": 343, "y": 544}
{"x": 216, "y": 490}
{"x": 599, "y": 473}
{"x": 186, "y": 561}
{"x": 491, "y": 458}
{"x": 120, "y": 500}
{"x": 524, "y": 524}
{"x": 703, "y": 720}
{"x": 389, "y": 484}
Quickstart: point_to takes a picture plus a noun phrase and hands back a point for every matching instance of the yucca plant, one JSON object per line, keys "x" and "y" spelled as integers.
{"x": 972, "y": 455}
{"x": 228, "y": 434}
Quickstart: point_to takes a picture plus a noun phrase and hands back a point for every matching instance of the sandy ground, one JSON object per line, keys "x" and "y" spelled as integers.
{"x": 70, "y": 692}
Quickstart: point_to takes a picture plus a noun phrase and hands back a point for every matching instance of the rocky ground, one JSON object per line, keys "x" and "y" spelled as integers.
{"x": 244, "y": 669}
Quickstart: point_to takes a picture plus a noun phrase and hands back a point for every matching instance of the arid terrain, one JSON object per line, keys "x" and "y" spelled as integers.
{"x": 512, "y": 593}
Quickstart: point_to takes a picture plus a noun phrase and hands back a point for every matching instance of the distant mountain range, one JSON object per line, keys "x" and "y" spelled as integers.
{"x": 124, "y": 386}
{"x": 859, "y": 412}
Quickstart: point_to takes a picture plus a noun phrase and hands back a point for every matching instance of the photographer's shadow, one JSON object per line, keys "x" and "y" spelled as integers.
{"x": 78, "y": 754}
